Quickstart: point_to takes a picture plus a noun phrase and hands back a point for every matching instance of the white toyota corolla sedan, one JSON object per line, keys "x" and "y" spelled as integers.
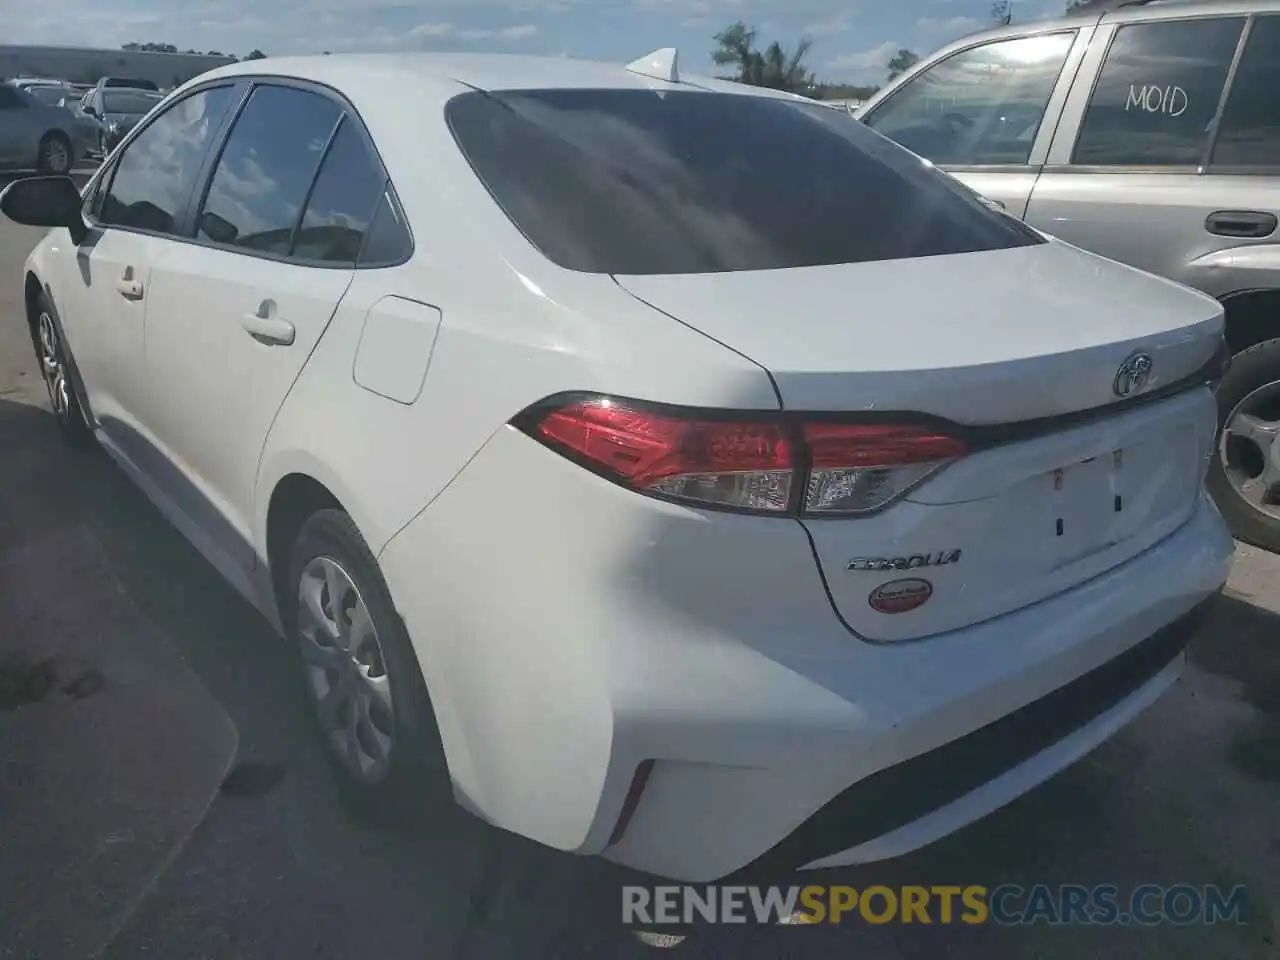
{"x": 688, "y": 471}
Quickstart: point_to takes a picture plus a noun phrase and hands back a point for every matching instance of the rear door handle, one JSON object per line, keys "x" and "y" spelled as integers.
{"x": 129, "y": 289}
{"x": 269, "y": 330}
{"x": 1247, "y": 224}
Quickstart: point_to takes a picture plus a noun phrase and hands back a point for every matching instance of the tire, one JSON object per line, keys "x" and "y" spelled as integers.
{"x": 55, "y": 157}
{"x": 414, "y": 764}
{"x": 1246, "y": 386}
{"x": 53, "y": 358}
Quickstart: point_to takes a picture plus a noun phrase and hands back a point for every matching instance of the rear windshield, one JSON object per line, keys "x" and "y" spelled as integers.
{"x": 129, "y": 101}
{"x": 641, "y": 182}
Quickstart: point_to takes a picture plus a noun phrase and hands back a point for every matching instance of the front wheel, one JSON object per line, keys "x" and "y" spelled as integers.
{"x": 55, "y": 369}
{"x": 1244, "y": 477}
{"x": 361, "y": 673}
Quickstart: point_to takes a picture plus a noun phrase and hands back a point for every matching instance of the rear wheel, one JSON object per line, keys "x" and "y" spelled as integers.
{"x": 361, "y": 673}
{"x": 1245, "y": 476}
{"x": 55, "y": 155}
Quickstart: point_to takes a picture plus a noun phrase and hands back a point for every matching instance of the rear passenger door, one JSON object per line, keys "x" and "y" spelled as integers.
{"x": 236, "y": 311}
{"x": 1169, "y": 156}
{"x": 985, "y": 113}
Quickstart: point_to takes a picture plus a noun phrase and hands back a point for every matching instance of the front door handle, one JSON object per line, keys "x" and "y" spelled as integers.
{"x": 269, "y": 330}
{"x": 1246, "y": 224}
{"x": 129, "y": 289}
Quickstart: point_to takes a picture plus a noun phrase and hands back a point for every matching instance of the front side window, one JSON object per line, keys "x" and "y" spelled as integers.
{"x": 261, "y": 182}
{"x": 980, "y": 106}
{"x": 157, "y": 171}
{"x": 1249, "y": 135}
{"x": 1157, "y": 93}
{"x": 642, "y": 182}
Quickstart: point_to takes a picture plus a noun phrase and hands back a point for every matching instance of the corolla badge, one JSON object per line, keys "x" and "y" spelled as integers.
{"x": 1133, "y": 375}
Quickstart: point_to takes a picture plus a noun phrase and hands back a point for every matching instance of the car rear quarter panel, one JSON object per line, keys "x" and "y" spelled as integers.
{"x": 514, "y": 329}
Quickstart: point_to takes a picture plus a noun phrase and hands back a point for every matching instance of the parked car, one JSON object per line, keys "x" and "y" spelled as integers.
{"x": 1149, "y": 133}
{"x": 117, "y": 110}
{"x": 38, "y": 136}
{"x": 658, "y": 462}
{"x": 129, "y": 83}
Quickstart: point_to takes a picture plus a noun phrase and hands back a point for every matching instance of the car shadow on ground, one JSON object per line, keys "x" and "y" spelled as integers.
{"x": 283, "y": 865}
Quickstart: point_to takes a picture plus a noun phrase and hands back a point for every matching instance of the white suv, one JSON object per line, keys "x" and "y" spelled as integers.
{"x": 686, "y": 469}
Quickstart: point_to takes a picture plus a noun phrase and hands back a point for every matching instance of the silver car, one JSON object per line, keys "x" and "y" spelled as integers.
{"x": 1148, "y": 132}
{"x": 117, "y": 111}
{"x": 39, "y": 136}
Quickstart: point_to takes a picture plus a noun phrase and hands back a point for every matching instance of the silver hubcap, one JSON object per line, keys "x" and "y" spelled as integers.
{"x": 1250, "y": 449}
{"x": 52, "y": 368}
{"x": 345, "y": 668}
{"x": 56, "y": 157}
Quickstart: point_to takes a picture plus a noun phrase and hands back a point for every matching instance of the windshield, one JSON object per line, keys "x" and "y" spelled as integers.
{"x": 638, "y": 182}
{"x": 129, "y": 101}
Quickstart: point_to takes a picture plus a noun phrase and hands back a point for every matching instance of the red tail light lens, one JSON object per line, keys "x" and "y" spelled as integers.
{"x": 766, "y": 463}
{"x": 728, "y": 463}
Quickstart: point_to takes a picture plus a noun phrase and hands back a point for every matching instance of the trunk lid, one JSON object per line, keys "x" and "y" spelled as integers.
{"x": 988, "y": 337}
{"x": 982, "y": 339}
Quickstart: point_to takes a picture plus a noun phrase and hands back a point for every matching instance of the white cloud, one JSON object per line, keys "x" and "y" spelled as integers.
{"x": 429, "y": 30}
{"x": 939, "y": 30}
{"x": 864, "y": 66}
{"x": 841, "y": 23}
{"x": 440, "y": 31}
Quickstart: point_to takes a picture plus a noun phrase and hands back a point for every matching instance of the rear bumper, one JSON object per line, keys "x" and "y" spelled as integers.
{"x": 912, "y": 803}
{"x": 576, "y": 633}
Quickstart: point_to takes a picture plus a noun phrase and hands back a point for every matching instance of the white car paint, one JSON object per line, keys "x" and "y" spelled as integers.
{"x": 571, "y": 631}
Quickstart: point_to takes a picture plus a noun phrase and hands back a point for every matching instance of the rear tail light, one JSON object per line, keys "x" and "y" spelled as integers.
{"x": 771, "y": 463}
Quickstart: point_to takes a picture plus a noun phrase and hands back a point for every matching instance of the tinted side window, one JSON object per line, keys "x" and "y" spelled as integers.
{"x": 980, "y": 106}
{"x": 1157, "y": 93}
{"x": 156, "y": 173}
{"x": 10, "y": 99}
{"x": 389, "y": 240}
{"x": 342, "y": 202}
{"x": 266, "y": 169}
{"x": 1250, "y": 131}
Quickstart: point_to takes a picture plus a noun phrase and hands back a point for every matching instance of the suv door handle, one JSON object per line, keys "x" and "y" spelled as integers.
{"x": 268, "y": 330}
{"x": 1250, "y": 224}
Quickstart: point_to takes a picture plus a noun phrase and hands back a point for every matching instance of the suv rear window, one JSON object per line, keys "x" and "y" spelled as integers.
{"x": 641, "y": 182}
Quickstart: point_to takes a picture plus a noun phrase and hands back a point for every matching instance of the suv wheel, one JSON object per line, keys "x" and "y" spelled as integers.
{"x": 1244, "y": 477}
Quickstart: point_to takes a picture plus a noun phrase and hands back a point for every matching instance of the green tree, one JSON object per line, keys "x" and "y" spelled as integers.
{"x": 773, "y": 67}
{"x": 1002, "y": 12}
{"x": 1075, "y": 6}
{"x": 902, "y": 61}
{"x": 255, "y": 54}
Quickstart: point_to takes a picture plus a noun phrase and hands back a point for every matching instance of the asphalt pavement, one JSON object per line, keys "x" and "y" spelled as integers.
{"x": 162, "y": 794}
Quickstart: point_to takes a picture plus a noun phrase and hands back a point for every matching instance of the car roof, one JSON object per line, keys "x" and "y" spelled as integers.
{"x": 357, "y": 73}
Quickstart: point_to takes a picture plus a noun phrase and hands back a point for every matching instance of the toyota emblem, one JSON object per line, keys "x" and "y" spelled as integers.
{"x": 1133, "y": 375}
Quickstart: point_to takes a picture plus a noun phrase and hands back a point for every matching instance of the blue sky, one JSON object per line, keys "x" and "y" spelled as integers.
{"x": 853, "y": 39}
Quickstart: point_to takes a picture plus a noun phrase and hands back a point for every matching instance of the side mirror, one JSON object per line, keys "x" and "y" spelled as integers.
{"x": 45, "y": 202}
{"x": 90, "y": 109}
{"x": 218, "y": 229}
